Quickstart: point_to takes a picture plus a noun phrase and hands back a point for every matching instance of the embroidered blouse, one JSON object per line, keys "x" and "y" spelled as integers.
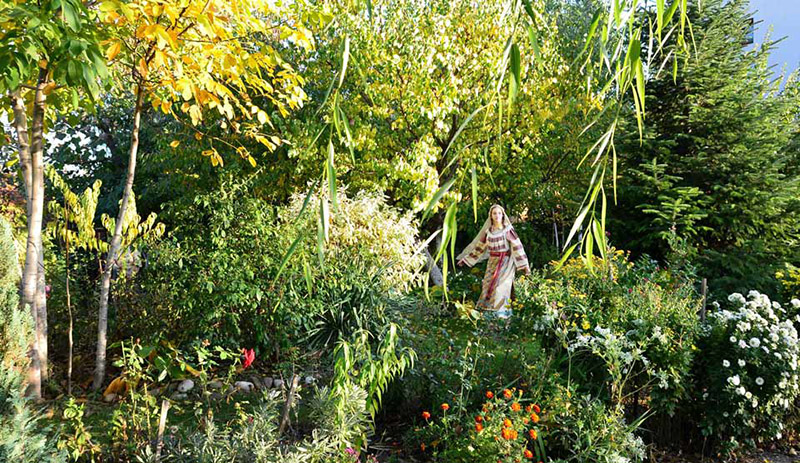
{"x": 504, "y": 240}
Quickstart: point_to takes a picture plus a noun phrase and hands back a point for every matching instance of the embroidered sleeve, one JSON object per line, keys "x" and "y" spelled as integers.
{"x": 517, "y": 252}
{"x": 472, "y": 258}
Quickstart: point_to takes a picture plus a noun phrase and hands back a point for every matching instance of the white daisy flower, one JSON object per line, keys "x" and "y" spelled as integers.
{"x": 726, "y": 363}
{"x": 742, "y": 363}
{"x": 760, "y": 381}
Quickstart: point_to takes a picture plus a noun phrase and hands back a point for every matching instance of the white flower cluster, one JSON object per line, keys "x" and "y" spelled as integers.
{"x": 764, "y": 342}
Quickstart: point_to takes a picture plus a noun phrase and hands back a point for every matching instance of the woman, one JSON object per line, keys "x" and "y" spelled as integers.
{"x": 498, "y": 242}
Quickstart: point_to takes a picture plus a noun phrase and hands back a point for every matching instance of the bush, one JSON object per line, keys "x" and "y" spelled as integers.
{"x": 22, "y": 438}
{"x": 208, "y": 281}
{"x": 747, "y": 374}
{"x": 626, "y": 329}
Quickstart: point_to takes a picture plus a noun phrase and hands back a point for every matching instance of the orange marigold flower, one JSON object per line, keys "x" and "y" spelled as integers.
{"x": 534, "y": 418}
{"x": 506, "y": 423}
{"x": 528, "y": 454}
{"x": 528, "y": 408}
{"x": 533, "y": 434}
{"x": 489, "y": 394}
{"x": 426, "y": 416}
{"x": 526, "y": 420}
{"x": 536, "y": 408}
{"x": 516, "y": 407}
{"x": 478, "y": 419}
{"x": 507, "y": 393}
{"x": 508, "y": 434}
{"x": 478, "y": 427}
{"x": 445, "y": 407}
{"x": 422, "y": 446}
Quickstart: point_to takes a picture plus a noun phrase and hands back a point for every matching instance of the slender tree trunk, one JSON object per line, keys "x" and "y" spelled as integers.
{"x": 113, "y": 249}
{"x": 41, "y": 310}
{"x": 31, "y": 153}
{"x": 69, "y": 304}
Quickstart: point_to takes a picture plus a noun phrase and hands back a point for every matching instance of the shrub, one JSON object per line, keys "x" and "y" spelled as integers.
{"x": 623, "y": 328}
{"x": 747, "y": 374}
{"x": 22, "y": 438}
{"x": 507, "y": 428}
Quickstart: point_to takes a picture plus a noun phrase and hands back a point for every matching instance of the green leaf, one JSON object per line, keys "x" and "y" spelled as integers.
{"x": 659, "y": 18}
{"x": 529, "y": 9}
{"x": 514, "y": 76}
{"x": 461, "y": 128}
{"x": 332, "y": 178}
{"x": 533, "y": 36}
{"x": 437, "y": 197}
{"x": 71, "y": 16}
{"x": 345, "y": 58}
{"x": 475, "y": 194}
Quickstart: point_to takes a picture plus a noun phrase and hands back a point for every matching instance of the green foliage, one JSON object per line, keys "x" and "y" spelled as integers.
{"x": 718, "y": 159}
{"x": 625, "y": 330}
{"x": 748, "y": 372}
{"x": 506, "y": 428}
{"x": 23, "y": 438}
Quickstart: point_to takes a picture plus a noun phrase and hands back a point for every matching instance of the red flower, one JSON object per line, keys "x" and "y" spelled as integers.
{"x": 445, "y": 407}
{"x": 537, "y": 409}
{"x": 478, "y": 419}
{"x": 507, "y": 393}
{"x": 533, "y": 434}
{"x": 249, "y": 356}
{"x": 528, "y": 454}
{"x": 478, "y": 427}
{"x": 426, "y": 416}
{"x": 489, "y": 394}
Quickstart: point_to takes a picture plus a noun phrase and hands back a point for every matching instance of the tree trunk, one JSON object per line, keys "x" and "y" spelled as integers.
{"x": 31, "y": 156}
{"x": 41, "y": 311}
{"x": 69, "y": 304}
{"x": 113, "y": 249}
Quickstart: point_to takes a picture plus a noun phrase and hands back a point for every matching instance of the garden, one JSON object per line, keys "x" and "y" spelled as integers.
{"x": 397, "y": 231}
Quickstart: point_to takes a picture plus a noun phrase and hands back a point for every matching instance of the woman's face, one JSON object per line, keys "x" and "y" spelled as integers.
{"x": 497, "y": 216}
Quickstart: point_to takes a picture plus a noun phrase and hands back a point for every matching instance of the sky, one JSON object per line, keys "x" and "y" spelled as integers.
{"x": 784, "y": 17}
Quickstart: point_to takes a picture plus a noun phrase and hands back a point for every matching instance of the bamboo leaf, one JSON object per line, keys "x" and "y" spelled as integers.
{"x": 475, "y": 194}
{"x": 287, "y": 256}
{"x": 659, "y": 18}
{"x": 345, "y": 58}
{"x": 577, "y": 224}
{"x": 566, "y": 255}
{"x": 461, "y": 128}
{"x": 514, "y": 76}
{"x": 332, "y": 179}
{"x": 529, "y": 10}
{"x": 437, "y": 197}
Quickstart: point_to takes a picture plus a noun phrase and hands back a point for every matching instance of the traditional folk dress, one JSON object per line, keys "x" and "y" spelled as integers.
{"x": 505, "y": 255}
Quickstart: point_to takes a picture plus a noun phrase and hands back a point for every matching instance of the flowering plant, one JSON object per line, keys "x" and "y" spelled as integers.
{"x": 748, "y": 373}
{"x": 508, "y": 428}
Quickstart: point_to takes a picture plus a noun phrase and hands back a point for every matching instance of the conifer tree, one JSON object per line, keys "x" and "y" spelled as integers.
{"x": 723, "y": 138}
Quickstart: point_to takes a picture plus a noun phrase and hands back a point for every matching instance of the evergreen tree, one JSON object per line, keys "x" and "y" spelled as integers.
{"x": 21, "y": 439}
{"x": 719, "y": 159}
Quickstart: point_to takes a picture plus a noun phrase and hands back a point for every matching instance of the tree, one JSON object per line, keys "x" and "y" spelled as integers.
{"x": 47, "y": 47}
{"x": 74, "y": 226}
{"x": 187, "y": 59}
{"x": 726, "y": 137}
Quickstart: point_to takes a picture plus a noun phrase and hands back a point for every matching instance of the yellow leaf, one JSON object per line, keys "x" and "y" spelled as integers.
{"x": 198, "y": 136}
{"x": 49, "y": 88}
{"x": 113, "y": 50}
{"x": 262, "y": 117}
{"x": 117, "y": 386}
{"x": 252, "y": 161}
{"x": 174, "y": 143}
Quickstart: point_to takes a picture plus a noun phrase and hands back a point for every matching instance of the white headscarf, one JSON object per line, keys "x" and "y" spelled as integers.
{"x": 480, "y": 237}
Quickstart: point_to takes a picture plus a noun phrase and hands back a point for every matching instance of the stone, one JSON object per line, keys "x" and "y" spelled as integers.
{"x": 309, "y": 380}
{"x": 245, "y": 386}
{"x": 268, "y": 381}
{"x": 216, "y": 396}
{"x": 277, "y": 384}
{"x": 179, "y": 396}
{"x": 186, "y": 385}
{"x": 110, "y": 397}
{"x": 216, "y": 384}
{"x": 256, "y": 382}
